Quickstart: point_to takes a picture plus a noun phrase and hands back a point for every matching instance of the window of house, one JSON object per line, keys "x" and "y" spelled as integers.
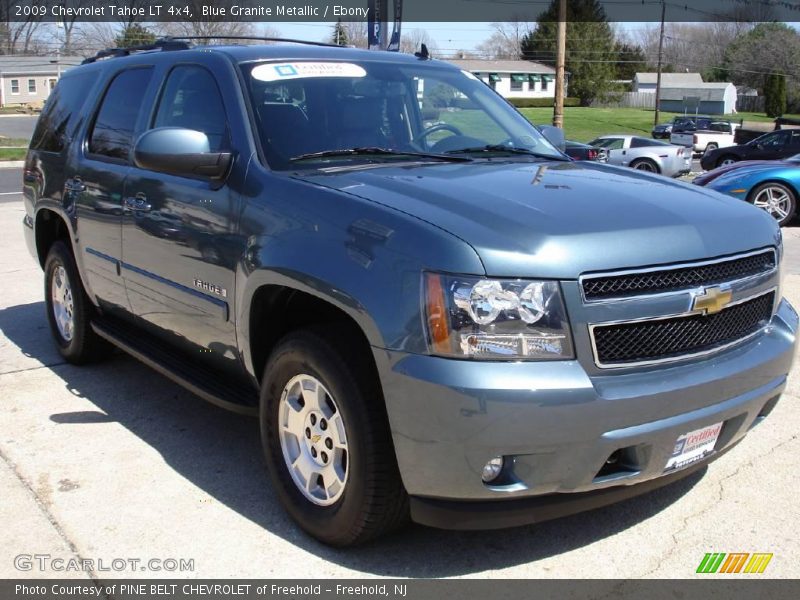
{"x": 192, "y": 100}
{"x": 516, "y": 82}
{"x": 545, "y": 83}
{"x": 15, "y": 86}
{"x": 532, "y": 80}
{"x": 31, "y": 86}
{"x": 51, "y": 83}
{"x": 493, "y": 79}
{"x": 112, "y": 132}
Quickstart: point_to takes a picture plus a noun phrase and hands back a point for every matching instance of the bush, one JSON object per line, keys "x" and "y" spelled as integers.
{"x": 542, "y": 102}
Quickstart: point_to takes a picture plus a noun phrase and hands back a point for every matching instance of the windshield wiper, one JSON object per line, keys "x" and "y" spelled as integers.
{"x": 376, "y": 151}
{"x": 499, "y": 148}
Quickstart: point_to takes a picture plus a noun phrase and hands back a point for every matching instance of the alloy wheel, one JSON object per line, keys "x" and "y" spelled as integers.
{"x": 63, "y": 305}
{"x": 775, "y": 201}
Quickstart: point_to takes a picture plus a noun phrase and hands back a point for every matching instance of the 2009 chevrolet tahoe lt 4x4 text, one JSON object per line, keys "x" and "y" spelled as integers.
{"x": 432, "y": 310}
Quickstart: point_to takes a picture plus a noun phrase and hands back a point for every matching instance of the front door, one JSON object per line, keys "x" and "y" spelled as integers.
{"x": 180, "y": 245}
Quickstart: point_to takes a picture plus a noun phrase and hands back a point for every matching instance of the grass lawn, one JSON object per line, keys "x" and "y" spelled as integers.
{"x": 13, "y": 153}
{"x": 14, "y": 142}
{"x": 585, "y": 124}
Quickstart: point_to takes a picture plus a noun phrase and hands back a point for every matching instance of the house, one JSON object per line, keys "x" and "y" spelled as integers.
{"x": 30, "y": 79}
{"x": 713, "y": 98}
{"x": 513, "y": 78}
{"x": 646, "y": 82}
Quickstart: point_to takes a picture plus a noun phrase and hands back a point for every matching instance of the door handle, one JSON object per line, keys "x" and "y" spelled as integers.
{"x": 138, "y": 203}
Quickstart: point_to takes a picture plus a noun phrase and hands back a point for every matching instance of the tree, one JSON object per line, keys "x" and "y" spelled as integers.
{"x": 217, "y": 32}
{"x": 339, "y": 35}
{"x": 775, "y": 95}
{"x": 411, "y": 41}
{"x": 773, "y": 47}
{"x": 506, "y": 39}
{"x": 630, "y": 60}
{"x": 591, "y": 57}
{"x": 134, "y": 35}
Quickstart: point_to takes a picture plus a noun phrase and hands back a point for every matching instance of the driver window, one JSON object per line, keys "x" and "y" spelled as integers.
{"x": 777, "y": 140}
{"x": 454, "y": 116}
{"x": 191, "y": 100}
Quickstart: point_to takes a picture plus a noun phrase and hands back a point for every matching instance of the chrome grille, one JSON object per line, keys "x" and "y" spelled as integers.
{"x": 624, "y": 285}
{"x": 663, "y": 339}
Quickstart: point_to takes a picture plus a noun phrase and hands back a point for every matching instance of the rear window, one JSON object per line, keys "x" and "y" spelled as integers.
{"x": 62, "y": 112}
{"x": 112, "y": 134}
{"x": 638, "y": 142}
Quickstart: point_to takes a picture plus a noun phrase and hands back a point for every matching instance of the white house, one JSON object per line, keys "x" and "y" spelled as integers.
{"x": 646, "y": 82}
{"x": 713, "y": 98}
{"x": 30, "y": 79}
{"x": 513, "y": 78}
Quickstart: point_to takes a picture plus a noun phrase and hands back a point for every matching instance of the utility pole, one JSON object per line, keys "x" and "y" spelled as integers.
{"x": 561, "y": 52}
{"x": 660, "y": 58}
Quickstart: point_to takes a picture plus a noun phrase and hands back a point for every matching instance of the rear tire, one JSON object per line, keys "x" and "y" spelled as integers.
{"x": 711, "y": 147}
{"x": 360, "y": 496}
{"x": 69, "y": 309}
{"x": 728, "y": 159}
{"x": 646, "y": 165}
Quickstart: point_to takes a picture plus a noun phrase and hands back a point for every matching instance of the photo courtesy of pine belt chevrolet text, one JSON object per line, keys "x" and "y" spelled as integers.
{"x": 433, "y": 313}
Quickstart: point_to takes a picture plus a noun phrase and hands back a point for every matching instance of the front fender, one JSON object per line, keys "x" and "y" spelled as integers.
{"x": 361, "y": 257}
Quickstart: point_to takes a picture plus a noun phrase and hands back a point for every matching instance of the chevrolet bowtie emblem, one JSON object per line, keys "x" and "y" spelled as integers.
{"x": 315, "y": 438}
{"x": 712, "y": 300}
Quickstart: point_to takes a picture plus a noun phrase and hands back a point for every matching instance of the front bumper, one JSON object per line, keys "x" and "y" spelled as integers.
{"x": 557, "y": 425}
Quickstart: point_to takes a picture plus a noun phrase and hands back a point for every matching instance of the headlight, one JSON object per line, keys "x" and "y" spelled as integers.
{"x": 501, "y": 319}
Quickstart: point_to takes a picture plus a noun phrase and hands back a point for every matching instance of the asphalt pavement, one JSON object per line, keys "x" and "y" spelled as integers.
{"x": 113, "y": 461}
{"x": 17, "y": 127}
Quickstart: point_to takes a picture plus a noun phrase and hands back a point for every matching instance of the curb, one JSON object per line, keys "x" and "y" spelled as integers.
{"x": 11, "y": 164}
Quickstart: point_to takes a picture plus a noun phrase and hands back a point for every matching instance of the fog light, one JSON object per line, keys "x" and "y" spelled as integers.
{"x": 492, "y": 469}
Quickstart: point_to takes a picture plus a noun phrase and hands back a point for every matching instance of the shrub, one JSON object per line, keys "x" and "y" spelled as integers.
{"x": 542, "y": 102}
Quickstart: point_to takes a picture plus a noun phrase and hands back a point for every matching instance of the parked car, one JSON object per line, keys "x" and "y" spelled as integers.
{"x": 705, "y": 136}
{"x": 644, "y": 154}
{"x": 662, "y": 131}
{"x": 579, "y": 151}
{"x": 771, "y": 146}
{"x": 454, "y": 323}
{"x": 770, "y": 185}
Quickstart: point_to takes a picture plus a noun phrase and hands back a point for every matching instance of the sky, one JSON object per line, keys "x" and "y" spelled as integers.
{"x": 448, "y": 36}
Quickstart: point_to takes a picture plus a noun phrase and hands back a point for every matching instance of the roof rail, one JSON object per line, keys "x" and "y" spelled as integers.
{"x": 254, "y": 38}
{"x": 164, "y": 44}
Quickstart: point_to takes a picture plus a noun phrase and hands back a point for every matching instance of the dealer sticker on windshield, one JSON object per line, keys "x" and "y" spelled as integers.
{"x": 693, "y": 446}
{"x": 303, "y": 70}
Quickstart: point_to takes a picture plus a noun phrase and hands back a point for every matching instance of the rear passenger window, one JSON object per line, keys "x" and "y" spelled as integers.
{"x": 112, "y": 134}
{"x": 62, "y": 112}
{"x": 191, "y": 99}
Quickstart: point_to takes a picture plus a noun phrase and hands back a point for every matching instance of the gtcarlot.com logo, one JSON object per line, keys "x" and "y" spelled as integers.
{"x": 735, "y": 562}
{"x": 46, "y": 562}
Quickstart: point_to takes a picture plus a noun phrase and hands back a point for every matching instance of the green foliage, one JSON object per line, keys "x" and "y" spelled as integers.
{"x": 339, "y": 35}
{"x": 134, "y": 35}
{"x": 591, "y": 52}
{"x": 631, "y": 60}
{"x": 775, "y": 95}
{"x": 771, "y": 47}
{"x": 542, "y": 102}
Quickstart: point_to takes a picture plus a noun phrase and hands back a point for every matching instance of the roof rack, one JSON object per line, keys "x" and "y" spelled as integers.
{"x": 253, "y": 38}
{"x": 164, "y": 44}
{"x": 167, "y": 44}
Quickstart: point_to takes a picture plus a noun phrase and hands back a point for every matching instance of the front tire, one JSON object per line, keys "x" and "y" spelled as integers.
{"x": 327, "y": 441}
{"x": 777, "y": 199}
{"x": 728, "y": 159}
{"x": 69, "y": 309}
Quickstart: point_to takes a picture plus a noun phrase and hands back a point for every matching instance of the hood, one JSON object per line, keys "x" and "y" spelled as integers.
{"x": 561, "y": 219}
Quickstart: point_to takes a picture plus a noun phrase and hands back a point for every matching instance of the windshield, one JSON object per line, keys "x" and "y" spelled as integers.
{"x": 383, "y": 112}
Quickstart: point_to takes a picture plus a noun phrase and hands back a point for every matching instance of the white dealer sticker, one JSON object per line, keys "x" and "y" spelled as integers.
{"x": 301, "y": 70}
{"x": 693, "y": 446}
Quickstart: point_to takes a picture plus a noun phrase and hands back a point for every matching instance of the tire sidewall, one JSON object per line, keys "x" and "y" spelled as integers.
{"x": 792, "y": 198}
{"x": 336, "y": 523}
{"x": 60, "y": 256}
{"x": 651, "y": 166}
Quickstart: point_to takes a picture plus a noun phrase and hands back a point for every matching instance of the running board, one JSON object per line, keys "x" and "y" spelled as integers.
{"x": 218, "y": 390}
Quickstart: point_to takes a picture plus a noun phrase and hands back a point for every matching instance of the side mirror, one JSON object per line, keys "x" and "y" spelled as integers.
{"x": 555, "y": 136}
{"x": 183, "y": 152}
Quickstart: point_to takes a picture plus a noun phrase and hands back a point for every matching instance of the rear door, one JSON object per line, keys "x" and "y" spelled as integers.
{"x": 94, "y": 180}
{"x": 180, "y": 240}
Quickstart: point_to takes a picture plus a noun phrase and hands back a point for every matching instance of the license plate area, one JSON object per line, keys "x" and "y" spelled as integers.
{"x": 693, "y": 446}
